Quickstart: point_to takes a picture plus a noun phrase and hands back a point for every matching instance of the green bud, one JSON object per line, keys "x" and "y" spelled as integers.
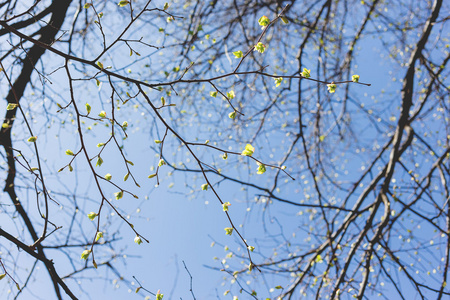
{"x": 238, "y": 54}
{"x": 278, "y": 81}
{"x": 118, "y": 195}
{"x": 11, "y": 106}
{"x": 260, "y": 47}
{"x": 102, "y": 114}
{"x": 161, "y": 162}
{"x": 85, "y": 254}
{"x": 88, "y": 108}
{"x": 261, "y": 169}
{"x": 32, "y": 139}
{"x": 108, "y": 176}
{"x": 263, "y": 21}
{"x": 92, "y": 216}
{"x": 355, "y": 78}
{"x": 306, "y": 73}
{"x": 138, "y": 240}
{"x": 204, "y": 187}
{"x": 99, "y": 161}
{"x": 69, "y": 152}
{"x": 331, "y": 88}
{"x": 232, "y": 115}
{"x": 248, "y": 151}
{"x": 98, "y": 236}
{"x": 228, "y": 230}
{"x": 123, "y": 3}
{"x": 231, "y": 95}
{"x": 225, "y": 206}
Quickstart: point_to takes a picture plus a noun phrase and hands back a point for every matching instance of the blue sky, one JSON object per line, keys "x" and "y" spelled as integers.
{"x": 180, "y": 221}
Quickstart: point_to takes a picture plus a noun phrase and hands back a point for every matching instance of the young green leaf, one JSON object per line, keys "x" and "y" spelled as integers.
{"x": 123, "y": 3}
{"x": 11, "y": 106}
{"x": 99, "y": 161}
{"x": 161, "y": 162}
{"x": 118, "y": 195}
{"x": 138, "y": 240}
{"x": 228, "y": 230}
{"x": 108, "y": 176}
{"x": 88, "y": 108}
{"x": 261, "y": 169}
{"x": 263, "y": 21}
{"x": 69, "y": 152}
{"x": 355, "y": 78}
{"x": 92, "y": 215}
{"x": 232, "y": 115}
{"x": 213, "y": 94}
{"x": 102, "y": 114}
{"x": 306, "y": 73}
{"x": 231, "y": 95}
{"x": 32, "y": 139}
{"x": 278, "y": 81}
{"x": 85, "y": 254}
{"x": 260, "y": 47}
{"x": 331, "y": 88}
{"x": 249, "y": 150}
{"x": 100, "y": 65}
{"x": 225, "y": 206}
{"x": 204, "y": 187}
{"x": 238, "y": 54}
{"x": 98, "y": 236}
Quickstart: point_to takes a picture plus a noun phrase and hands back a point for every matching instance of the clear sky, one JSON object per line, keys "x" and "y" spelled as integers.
{"x": 183, "y": 223}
